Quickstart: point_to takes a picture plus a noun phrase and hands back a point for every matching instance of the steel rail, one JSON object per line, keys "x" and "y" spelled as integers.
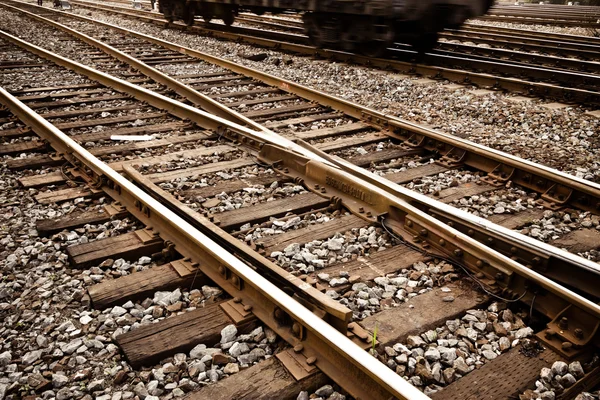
{"x": 478, "y": 156}
{"x": 540, "y": 89}
{"x": 361, "y": 367}
{"x": 563, "y": 37}
{"x": 538, "y": 21}
{"x": 518, "y": 57}
{"x": 505, "y": 39}
{"x": 317, "y": 166}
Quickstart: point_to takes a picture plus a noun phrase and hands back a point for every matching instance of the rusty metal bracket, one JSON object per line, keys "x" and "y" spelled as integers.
{"x": 237, "y": 311}
{"x": 500, "y": 175}
{"x": 556, "y": 197}
{"x": 360, "y": 336}
{"x": 297, "y": 363}
{"x": 453, "y": 157}
{"x": 148, "y": 235}
{"x": 570, "y": 332}
{"x": 185, "y": 267}
{"x": 115, "y": 208}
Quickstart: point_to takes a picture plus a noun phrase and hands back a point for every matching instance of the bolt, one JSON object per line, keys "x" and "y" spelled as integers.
{"x": 563, "y": 323}
{"x": 479, "y": 263}
{"x": 451, "y": 224}
{"x": 369, "y": 214}
{"x": 311, "y": 360}
{"x": 550, "y": 333}
{"x": 237, "y": 300}
{"x": 536, "y": 260}
{"x": 579, "y": 333}
{"x": 490, "y": 241}
{"x": 317, "y": 186}
{"x": 296, "y": 328}
{"x": 247, "y": 307}
{"x": 323, "y": 190}
{"x": 442, "y": 242}
{"x": 235, "y": 280}
{"x": 279, "y": 314}
{"x": 222, "y": 270}
{"x": 567, "y": 346}
{"x": 298, "y": 348}
{"x": 409, "y": 223}
{"x": 513, "y": 250}
{"x": 424, "y": 232}
{"x": 470, "y": 232}
{"x": 458, "y": 252}
{"x": 361, "y": 210}
{"x": 499, "y": 276}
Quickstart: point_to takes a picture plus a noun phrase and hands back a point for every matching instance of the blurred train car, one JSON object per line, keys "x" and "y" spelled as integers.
{"x": 362, "y": 26}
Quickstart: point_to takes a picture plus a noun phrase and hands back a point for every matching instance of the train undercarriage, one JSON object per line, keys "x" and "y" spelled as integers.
{"x": 363, "y": 34}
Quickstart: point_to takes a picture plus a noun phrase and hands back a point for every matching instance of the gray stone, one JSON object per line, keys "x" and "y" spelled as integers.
{"x": 212, "y": 375}
{"x": 447, "y": 355}
{"x": 490, "y": 355}
{"x": 118, "y": 311}
{"x": 560, "y": 368}
{"x": 461, "y": 366}
{"x": 228, "y": 334}
{"x": 198, "y": 352}
{"x": 546, "y": 375}
{"x": 432, "y": 354}
{"x": 335, "y": 244}
{"x": 523, "y": 332}
{"x": 414, "y": 341}
{"x": 96, "y": 385}
{"x": 302, "y": 396}
{"x": 140, "y": 390}
{"x": 72, "y": 346}
{"x": 238, "y": 349}
{"x": 59, "y": 380}
{"x": 324, "y": 391}
{"x": 31, "y": 357}
{"x": 5, "y": 358}
{"x": 548, "y": 395}
{"x": 568, "y": 380}
{"x": 576, "y": 369}
{"x": 504, "y": 343}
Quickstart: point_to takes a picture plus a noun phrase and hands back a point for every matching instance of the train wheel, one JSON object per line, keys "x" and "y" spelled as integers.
{"x": 374, "y": 48}
{"x": 189, "y": 19}
{"x": 425, "y": 43}
{"x": 229, "y": 17}
{"x": 378, "y": 37}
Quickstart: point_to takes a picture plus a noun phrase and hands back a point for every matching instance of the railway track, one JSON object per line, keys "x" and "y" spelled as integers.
{"x": 547, "y": 14}
{"x": 322, "y": 198}
{"x": 506, "y": 74}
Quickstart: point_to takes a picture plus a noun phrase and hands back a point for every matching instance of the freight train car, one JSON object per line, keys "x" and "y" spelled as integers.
{"x": 363, "y": 26}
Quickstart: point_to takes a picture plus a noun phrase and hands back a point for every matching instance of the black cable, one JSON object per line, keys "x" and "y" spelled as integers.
{"x": 450, "y": 261}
